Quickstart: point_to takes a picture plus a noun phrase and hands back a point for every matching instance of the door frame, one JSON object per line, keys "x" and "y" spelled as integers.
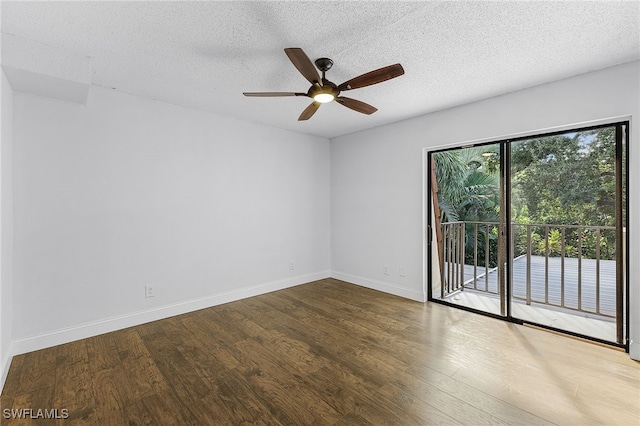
{"x": 429, "y": 237}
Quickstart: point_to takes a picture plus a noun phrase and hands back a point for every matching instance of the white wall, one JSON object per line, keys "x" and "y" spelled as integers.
{"x": 6, "y": 229}
{"x": 125, "y": 192}
{"x": 376, "y": 175}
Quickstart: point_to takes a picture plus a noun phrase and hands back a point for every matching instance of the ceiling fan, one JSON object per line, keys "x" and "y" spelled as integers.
{"x": 323, "y": 91}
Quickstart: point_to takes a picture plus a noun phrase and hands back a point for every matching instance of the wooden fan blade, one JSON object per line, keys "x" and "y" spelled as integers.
{"x": 309, "y": 111}
{"x": 373, "y": 77}
{"x": 269, "y": 94}
{"x": 356, "y": 105}
{"x": 302, "y": 62}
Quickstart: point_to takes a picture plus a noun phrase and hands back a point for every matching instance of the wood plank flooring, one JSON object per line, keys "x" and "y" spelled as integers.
{"x": 327, "y": 353}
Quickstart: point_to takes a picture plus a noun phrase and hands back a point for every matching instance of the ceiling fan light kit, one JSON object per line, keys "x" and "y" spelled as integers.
{"x": 323, "y": 98}
{"x": 323, "y": 90}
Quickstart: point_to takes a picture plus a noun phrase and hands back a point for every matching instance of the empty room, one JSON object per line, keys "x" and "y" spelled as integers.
{"x": 319, "y": 212}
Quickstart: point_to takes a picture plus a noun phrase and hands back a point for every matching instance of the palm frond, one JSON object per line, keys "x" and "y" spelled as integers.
{"x": 447, "y": 211}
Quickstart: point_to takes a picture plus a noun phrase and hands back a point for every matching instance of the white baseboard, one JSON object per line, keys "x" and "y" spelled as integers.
{"x": 380, "y": 286}
{"x": 82, "y": 331}
{"x": 5, "y": 364}
{"x": 634, "y": 351}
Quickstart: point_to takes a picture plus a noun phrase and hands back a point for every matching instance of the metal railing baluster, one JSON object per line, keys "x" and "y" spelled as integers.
{"x": 528, "y": 283}
{"x": 475, "y": 256}
{"x": 563, "y": 252}
{"x": 449, "y": 260}
{"x": 598, "y": 270}
{"x": 486, "y": 258}
{"x": 579, "y": 269}
{"x": 546, "y": 265}
{"x": 461, "y": 257}
{"x": 455, "y": 259}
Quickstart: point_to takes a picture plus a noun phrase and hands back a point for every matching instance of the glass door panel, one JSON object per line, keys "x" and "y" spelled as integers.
{"x": 565, "y": 230}
{"x": 465, "y": 191}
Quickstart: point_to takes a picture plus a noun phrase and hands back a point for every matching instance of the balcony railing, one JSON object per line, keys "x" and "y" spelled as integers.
{"x": 565, "y": 266}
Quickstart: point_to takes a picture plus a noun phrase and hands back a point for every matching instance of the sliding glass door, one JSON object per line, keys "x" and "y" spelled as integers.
{"x": 534, "y": 230}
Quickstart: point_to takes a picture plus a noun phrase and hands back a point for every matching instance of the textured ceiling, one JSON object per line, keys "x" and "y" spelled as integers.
{"x": 205, "y": 54}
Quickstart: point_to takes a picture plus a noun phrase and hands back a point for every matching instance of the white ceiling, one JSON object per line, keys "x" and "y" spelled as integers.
{"x": 205, "y": 54}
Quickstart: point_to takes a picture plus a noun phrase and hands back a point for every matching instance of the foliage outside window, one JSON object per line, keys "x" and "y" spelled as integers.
{"x": 566, "y": 179}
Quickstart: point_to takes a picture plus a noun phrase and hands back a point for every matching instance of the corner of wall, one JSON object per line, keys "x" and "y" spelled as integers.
{"x": 5, "y": 364}
{"x": 6, "y": 228}
{"x": 379, "y": 286}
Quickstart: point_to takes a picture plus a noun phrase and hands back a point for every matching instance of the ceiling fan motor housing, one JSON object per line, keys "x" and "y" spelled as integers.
{"x": 324, "y": 64}
{"x": 327, "y": 87}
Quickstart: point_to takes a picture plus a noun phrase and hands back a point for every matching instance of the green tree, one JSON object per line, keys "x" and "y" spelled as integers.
{"x": 566, "y": 180}
{"x": 466, "y": 191}
{"x": 469, "y": 192}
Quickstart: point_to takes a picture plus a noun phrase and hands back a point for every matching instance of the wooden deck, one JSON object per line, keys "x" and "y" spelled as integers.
{"x": 552, "y": 313}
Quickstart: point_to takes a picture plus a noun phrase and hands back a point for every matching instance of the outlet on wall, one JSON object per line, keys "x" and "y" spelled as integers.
{"x": 402, "y": 271}
{"x": 292, "y": 265}
{"x": 149, "y": 291}
{"x": 385, "y": 269}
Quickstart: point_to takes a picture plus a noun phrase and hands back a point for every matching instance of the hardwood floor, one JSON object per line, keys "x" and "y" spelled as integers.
{"x": 326, "y": 353}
